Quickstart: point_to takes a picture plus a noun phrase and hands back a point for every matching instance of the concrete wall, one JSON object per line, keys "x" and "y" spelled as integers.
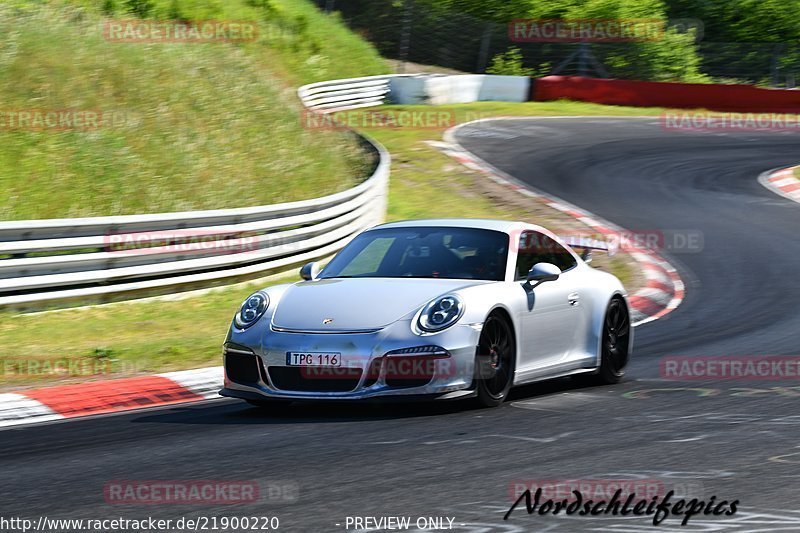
{"x": 439, "y": 90}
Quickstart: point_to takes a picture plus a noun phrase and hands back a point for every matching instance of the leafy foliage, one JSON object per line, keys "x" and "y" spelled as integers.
{"x": 140, "y": 8}
{"x": 511, "y": 63}
{"x": 742, "y": 40}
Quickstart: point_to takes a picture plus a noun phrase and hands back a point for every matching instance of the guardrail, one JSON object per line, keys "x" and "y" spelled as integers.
{"x": 53, "y": 262}
{"x": 354, "y": 93}
{"x": 434, "y": 89}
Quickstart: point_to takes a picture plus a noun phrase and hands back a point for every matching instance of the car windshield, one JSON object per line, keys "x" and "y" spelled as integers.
{"x": 423, "y": 252}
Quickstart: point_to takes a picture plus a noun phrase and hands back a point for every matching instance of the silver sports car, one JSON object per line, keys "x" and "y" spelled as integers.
{"x": 431, "y": 308}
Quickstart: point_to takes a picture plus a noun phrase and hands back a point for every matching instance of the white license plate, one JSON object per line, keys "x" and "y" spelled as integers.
{"x": 314, "y": 359}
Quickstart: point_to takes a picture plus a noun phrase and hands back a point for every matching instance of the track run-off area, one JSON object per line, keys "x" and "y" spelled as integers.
{"x": 319, "y": 463}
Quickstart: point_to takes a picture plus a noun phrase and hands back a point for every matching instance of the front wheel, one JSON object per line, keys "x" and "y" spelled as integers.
{"x": 495, "y": 361}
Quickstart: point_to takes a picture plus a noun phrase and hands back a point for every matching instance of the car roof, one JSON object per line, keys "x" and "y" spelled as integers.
{"x": 506, "y": 226}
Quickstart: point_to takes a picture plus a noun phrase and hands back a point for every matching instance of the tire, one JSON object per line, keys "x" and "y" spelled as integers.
{"x": 615, "y": 338}
{"x": 494, "y": 361}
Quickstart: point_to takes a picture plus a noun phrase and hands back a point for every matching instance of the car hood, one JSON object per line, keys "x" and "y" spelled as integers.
{"x": 353, "y": 304}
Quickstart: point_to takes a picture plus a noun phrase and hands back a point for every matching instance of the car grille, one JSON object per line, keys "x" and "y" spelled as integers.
{"x": 242, "y": 368}
{"x": 405, "y": 383}
{"x": 314, "y": 379}
{"x": 418, "y": 377}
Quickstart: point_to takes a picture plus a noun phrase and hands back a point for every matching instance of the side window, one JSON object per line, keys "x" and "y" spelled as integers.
{"x": 535, "y": 247}
{"x": 561, "y": 256}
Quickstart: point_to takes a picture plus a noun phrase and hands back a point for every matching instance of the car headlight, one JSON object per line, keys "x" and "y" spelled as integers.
{"x": 440, "y": 313}
{"x": 252, "y": 309}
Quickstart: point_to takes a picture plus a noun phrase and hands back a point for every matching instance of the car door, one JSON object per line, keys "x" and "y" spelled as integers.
{"x": 554, "y": 318}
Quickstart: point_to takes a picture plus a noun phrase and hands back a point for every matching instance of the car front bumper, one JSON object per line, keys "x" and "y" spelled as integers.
{"x": 373, "y": 365}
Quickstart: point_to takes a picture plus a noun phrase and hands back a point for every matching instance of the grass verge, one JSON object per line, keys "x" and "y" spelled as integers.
{"x": 172, "y": 126}
{"x": 161, "y": 335}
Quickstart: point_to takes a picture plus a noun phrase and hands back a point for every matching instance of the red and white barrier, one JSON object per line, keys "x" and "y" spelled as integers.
{"x": 742, "y": 98}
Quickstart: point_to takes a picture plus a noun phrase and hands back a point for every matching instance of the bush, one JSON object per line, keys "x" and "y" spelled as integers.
{"x": 140, "y": 8}
{"x": 509, "y": 63}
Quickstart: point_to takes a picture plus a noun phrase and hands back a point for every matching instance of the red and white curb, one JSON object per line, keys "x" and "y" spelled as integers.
{"x": 109, "y": 396}
{"x": 663, "y": 291}
{"x": 783, "y": 182}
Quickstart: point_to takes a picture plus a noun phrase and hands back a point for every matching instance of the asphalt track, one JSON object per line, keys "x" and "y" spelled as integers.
{"x": 728, "y": 439}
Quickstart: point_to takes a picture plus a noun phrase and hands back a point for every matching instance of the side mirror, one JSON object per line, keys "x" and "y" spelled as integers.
{"x": 542, "y": 272}
{"x": 586, "y": 255}
{"x": 310, "y": 271}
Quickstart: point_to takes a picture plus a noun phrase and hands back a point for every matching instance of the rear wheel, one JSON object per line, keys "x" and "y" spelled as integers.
{"x": 615, "y": 341}
{"x": 495, "y": 361}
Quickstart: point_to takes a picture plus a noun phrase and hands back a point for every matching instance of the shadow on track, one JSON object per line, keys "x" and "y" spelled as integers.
{"x": 322, "y": 412}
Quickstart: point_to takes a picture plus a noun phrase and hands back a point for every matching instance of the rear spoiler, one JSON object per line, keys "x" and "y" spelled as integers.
{"x": 588, "y": 245}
